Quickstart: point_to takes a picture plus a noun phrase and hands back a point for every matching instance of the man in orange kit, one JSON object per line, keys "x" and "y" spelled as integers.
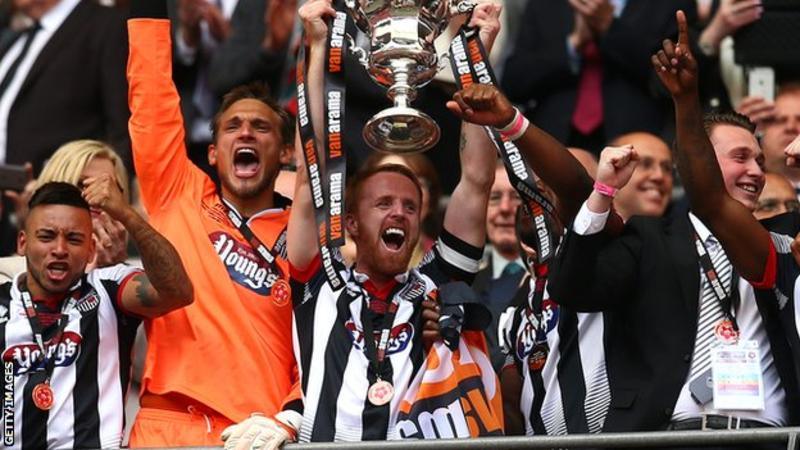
{"x": 229, "y": 354}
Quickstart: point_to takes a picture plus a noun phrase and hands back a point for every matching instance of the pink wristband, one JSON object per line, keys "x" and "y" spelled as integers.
{"x": 604, "y": 189}
{"x": 516, "y": 128}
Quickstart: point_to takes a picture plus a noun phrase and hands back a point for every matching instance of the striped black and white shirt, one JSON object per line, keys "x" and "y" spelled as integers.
{"x": 329, "y": 344}
{"x": 91, "y": 372}
{"x": 570, "y": 394}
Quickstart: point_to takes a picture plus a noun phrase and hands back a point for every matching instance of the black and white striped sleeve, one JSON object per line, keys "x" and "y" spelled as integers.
{"x": 451, "y": 259}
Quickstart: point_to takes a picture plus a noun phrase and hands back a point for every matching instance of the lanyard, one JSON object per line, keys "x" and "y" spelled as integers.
{"x": 470, "y": 65}
{"x": 720, "y": 293}
{"x": 533, "y": 310}
{"x": 376, "y": 354}
{"x": 38, "y": 330}
{"x": 255, "y": 242}
{"x": 326, "y": 183}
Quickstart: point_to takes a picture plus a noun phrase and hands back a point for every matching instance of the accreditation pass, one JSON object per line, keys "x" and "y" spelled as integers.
{"x": 737, "y": 375}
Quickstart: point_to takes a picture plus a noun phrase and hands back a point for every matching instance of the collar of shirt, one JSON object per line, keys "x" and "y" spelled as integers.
{"x": 499, "y": 263}
{"x": 362, "y": 279}
{"x": 379, "y": 297}
{"x": 279, "y": 206}
{"x": 53, "y": 19}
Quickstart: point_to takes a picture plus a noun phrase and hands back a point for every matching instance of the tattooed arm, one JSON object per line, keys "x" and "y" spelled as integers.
{"x": 164, "y": 285}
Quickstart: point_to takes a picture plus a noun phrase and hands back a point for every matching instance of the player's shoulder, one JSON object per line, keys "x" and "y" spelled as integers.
{"x": 116, "y": 273}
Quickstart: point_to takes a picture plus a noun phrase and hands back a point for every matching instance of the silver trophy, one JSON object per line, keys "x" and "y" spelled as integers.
{"x": 402, "y": 58}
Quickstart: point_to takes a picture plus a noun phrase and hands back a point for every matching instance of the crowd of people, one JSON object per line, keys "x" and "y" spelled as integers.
{"x": 168, "y": 186}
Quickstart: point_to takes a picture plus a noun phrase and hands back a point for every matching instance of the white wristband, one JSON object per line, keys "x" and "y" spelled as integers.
{"x": 515, "y": 129}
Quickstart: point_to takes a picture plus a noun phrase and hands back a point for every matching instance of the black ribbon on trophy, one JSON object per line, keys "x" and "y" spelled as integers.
{"x": 327, "y": 181}
{"x": 470, "y": 65}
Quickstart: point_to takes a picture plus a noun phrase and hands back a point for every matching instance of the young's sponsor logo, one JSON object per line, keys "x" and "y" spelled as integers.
{"x": 27, "y": 357}
{"x": 244, "y": 265}
{"x": 532, "y": 333}
{"x": 399, "y": 337}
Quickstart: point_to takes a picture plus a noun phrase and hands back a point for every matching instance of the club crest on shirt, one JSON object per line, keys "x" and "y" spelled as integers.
{"x": 88, "y": 302}
{"x": 26, "y": 357}
{"x": 244, "y": 265}
{"x": 530, "y": 335}
{"x": 399, "y": 337}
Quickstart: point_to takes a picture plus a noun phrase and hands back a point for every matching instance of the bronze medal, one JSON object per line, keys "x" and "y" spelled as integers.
{"x": 380, "y": 393}
{"x": 42, "y": 396}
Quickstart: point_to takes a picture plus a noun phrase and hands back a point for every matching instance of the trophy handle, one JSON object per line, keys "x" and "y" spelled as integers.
{"x": 462, "y": 7}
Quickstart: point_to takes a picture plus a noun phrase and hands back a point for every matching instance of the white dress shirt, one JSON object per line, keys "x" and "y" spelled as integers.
{"x": 50, "y": 23}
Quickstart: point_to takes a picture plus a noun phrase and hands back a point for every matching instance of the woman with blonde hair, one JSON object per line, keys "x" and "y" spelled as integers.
{"x": 73, "y": 163}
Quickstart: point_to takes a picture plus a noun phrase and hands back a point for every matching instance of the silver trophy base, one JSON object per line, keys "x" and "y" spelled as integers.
{"x": 401, "y": 129}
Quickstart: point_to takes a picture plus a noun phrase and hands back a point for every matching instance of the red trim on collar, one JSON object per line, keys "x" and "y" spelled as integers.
{"x": 51, "y": 302}
{"x": 379, "y": 293}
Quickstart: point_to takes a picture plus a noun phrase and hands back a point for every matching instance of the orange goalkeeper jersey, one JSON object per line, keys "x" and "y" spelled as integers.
{"x": 231, "y": 350}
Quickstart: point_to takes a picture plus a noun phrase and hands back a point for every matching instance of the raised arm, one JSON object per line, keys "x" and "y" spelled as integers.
{"x": 164, "y": 285}
{"x": 746, "y": 242}
{"x": 486, "y": 105}
{"x": 302, "y": 232}
{"x": 465, "y": 218}
{"x": 156, "y": 124}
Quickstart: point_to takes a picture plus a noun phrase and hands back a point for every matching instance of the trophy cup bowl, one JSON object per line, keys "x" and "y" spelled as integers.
{"x": 402, "y": 58}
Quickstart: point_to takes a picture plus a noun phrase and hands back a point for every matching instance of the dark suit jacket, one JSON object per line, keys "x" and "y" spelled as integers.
{"x": 538, "y": 70}
{"x": 648, "y": 280}
{"x": 76, "y": 89}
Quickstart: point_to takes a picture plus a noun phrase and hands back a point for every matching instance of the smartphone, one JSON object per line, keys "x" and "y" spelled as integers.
{"x": 702, "y": 388}
{"x": 761, "y": 83}
{"x": 13, "y": 178}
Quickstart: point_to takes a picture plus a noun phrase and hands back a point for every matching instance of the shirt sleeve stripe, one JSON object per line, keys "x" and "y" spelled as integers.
{"x": 458, "y": 253}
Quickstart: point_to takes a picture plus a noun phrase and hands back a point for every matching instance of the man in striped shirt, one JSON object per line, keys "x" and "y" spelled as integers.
{"x": 67, "y": 335}
{"x": 353, "y": 390}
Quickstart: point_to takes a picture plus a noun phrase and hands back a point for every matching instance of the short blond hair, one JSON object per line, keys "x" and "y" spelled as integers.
{"x": 69, "y": 161}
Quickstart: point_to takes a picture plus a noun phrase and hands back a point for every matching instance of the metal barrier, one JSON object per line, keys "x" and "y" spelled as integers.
{"x": 718, "y": 438}
{"x": 788, "y": 436}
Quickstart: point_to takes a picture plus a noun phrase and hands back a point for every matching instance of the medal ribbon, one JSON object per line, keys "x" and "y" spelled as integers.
{"x": 326, "y": 184}
{"x": 376, "y": 355}
{"x": 721, "y": 294}
{"x": 262, "y": 249}
{"x": 535, "y": 315}
{"x": 38, "y": 330}
{"x": 470, "y": 65}
{"x": 533, "y": 310}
